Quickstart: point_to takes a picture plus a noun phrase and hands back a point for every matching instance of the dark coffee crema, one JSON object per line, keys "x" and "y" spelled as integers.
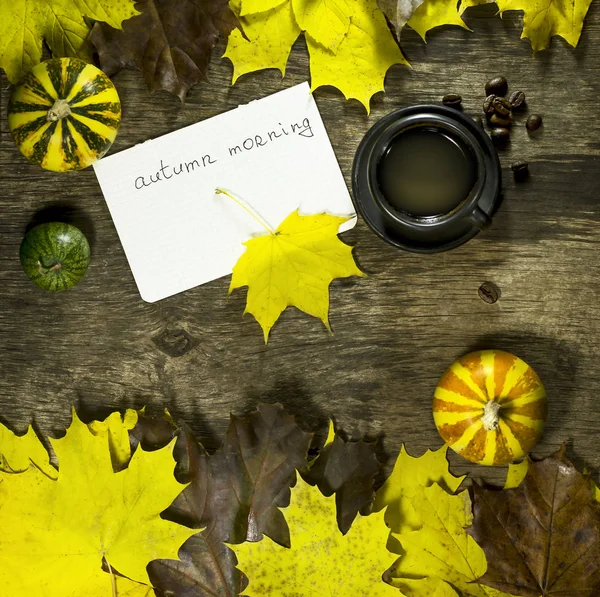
{"x": 426, "y": 171}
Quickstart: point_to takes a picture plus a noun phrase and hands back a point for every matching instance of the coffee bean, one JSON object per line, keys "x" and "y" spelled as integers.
{"x": 488, "y": 104}
{"x": 489, "y": 293}
{"x": 497, "y": 120}
{"x": 522, "y": 165}
{"x": 520, "y": 170}
{"x": 453, "y": 100}
{"x": 497, "y": 85}
{"x": 477, "y": 120}
{"x": 502, "y": 106}
{"x": 500, "y": 134}
{"x": 534, "y": 122}
{"x": 517, "y": 100}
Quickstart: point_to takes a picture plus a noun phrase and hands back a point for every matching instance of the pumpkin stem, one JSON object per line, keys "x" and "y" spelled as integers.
{"x": 490, "y": 415}
{"x": 47, "y": 265}
{"x": 59, "y": 110}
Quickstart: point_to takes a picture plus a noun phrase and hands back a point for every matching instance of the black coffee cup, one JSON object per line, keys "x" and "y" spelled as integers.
{"x": 434, "y": 232}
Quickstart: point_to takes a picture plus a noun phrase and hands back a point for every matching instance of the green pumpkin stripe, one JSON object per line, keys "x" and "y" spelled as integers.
{"x": 54, "y": 70}
{"x": 104, "y": 119}
{"x": 114, "y": 107}
{"x": 74, "y": 69}
{"x": 96, "y": 85}
{"x": 69, "y": 145}
{"x": 74, "y": 256}
{"x": 22, "y": 107}
{"x": 35, "y": 86}
{"x": 40, "y": 149}
{"x": 97, "y": 143}
{"x": 21, "y": 133}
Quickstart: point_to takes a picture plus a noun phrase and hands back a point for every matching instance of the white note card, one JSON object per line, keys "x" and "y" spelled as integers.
{"x": 273, "y": 154}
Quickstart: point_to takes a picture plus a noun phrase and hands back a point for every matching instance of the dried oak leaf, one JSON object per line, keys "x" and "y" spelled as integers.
{"x": 235, "y": 495}
{"x": 542, "y": 538}
{"x": 170, "y": 42}
{"x": 347, "y": 469}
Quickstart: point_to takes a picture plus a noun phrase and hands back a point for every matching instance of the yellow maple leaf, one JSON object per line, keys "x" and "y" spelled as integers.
{"x": 116, "y": 429}
{"x": 250, "y": 7}
{"x": 24, "y": 23}
{"x": 434, "y": 13}
{"x": 350, "y": 44}
{"x": 19, "y": 452}
{"x": 544, "y": 18}
{"x": 464, "y": 4}
{"x": 326, "y": 21}
{"x": 321, "y": 561}
{"x": 269, "y": 37}
{"x": 362, "y": 59}
{"x": 293, "y": 266}
{"x": 409, "y": 475}
{"x": 443, "y": 589}
{"x": 516, "y": 473}
{"x": 56, "y": 533}
{"x": 441, "y": 548}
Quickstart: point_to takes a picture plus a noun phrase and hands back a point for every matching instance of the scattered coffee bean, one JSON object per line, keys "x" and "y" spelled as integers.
{"x": 500, "y": 134}
{"x": 478, "y": 121}
{"x": 502, "y": 106}
{"x": 534, "y": 122}
{"x": 453, "y": 100}
{"x": 488, "y": 104}
{"x": 489, "y": 293}
{"x": 497, "y": 85}
{"x": 497, "y": 120}
{"x": 520, "y": 170}
{"x": 517, "y": 100}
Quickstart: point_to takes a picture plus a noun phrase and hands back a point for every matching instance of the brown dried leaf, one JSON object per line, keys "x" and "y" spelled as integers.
{"x": 207, "y": 565}
{"x": 542, "y": 538}
{"x": 347, "y": 469}
{"x": 235, "y": 495}
{"x": 170, "y": 42}
{"x": 398, "y": 12}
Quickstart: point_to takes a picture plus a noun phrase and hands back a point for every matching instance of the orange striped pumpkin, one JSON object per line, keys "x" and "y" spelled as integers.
{"x": 490, "y": 407}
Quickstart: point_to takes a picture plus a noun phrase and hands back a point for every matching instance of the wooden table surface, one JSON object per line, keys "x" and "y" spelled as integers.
{"x": 100, "y": 347}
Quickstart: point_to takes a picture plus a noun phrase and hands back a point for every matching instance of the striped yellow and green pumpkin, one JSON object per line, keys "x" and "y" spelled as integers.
{"x": 490, "y": 407}
{"x": 64, "y": 114}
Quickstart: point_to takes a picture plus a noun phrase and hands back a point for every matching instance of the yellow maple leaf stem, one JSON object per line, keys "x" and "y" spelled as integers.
{"x": 247, "y": 209}
{"x": 113, "y": 580}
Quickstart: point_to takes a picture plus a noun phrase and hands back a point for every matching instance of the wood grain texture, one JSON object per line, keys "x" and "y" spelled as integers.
{"x": 100, "y": 347}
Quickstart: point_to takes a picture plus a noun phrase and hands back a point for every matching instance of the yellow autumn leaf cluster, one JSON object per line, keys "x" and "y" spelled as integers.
{"x": 543, "y": 19}
{"x": 320, "y": 561}
{"x": 418, "y": 514}
{"x": 429, "y": 522}
{"x": 92, "y": 526}
{"x": 349, "y": 42}
{"x": 62, "y": 23}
